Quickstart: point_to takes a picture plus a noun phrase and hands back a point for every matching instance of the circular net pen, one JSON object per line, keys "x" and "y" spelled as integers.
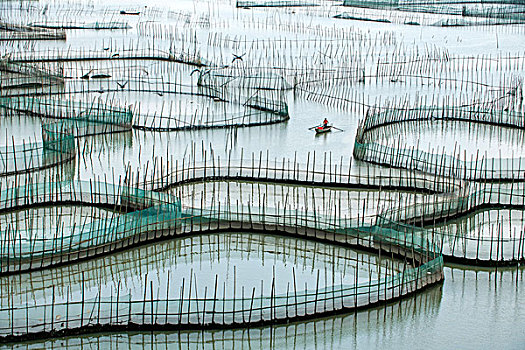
{"x": 201, "y": 112}
{"x": 478, "y": 168}
{"x": 512, "y": 11}
{"x": 162, "y": 217}
{"x": 62, "y": 122}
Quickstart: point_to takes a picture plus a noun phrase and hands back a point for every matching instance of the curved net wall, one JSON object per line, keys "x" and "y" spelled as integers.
{"x": 58, "y": 146}
{"x": 75, "y": 54}
{"x": 230, "y": 110}
{"x": 14, "y": 77}
{"x": 10, "y": 31}
{"x": 153, "y": 216}
{"x": 147, "y": 215}
{"x": 63, "y": 121}
{"x": 415, "y": 213}
{"x": 82, "y": 117}
{"x": 274, "y": 3}
{"x": 245, "y": 77}
{"x": 509, "y": 10}
{"x": 74, "y": 119}
{"x": 446, "y": 199}
{"x": 481, "y": 168}
{"x": 7, "y": 66}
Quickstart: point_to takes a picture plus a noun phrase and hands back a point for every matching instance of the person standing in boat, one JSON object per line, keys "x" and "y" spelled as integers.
{"x": 325, "y": 123}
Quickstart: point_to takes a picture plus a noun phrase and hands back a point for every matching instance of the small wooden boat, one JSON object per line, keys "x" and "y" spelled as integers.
{"x": 133, "y": 13}
{"x": 100, "y": 76}
{"x": 323, "y": 129}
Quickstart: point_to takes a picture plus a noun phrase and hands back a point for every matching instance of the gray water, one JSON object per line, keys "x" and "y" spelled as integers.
{"x": 473, "y": 309}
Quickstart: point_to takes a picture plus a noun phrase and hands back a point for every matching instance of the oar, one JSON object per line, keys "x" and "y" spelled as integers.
{"x": 313, "y": 127}
{"x": 333, "y": 127}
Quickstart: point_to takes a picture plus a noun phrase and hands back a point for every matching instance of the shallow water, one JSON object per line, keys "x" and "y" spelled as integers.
{"x": 473, "y": 309}
{"x": 235, "y": 262}
{"x": 466, "y": 139}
